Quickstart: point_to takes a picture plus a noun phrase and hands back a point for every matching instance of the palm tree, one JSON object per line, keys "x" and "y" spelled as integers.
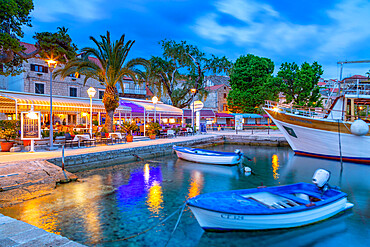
{"x": 110, "y": 70}
{"x": 368, "y": 74}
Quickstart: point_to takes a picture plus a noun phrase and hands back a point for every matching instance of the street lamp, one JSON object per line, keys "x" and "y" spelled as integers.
{"x": 91, "y": 92}
{"x": 51, "y": 64}
{"x": 193, "y": 91}
{"x": 155, "y": 101}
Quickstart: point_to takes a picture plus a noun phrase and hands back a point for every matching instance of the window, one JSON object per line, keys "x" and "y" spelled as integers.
{"x": 39, "y": 68}
{"x": 224, "y": 107}
{"x": 73, "y": 92}
{"x": 225, "y": 95}
{"x": 101, "y": 94}
{"x": 39, "y": 88}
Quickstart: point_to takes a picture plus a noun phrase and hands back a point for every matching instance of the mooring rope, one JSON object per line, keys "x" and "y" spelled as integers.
{"x": 177, "y": 223}
{"x": 182, "y": 207}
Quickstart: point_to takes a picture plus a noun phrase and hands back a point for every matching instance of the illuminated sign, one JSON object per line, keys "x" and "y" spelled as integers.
{"x": 30, "y": 125}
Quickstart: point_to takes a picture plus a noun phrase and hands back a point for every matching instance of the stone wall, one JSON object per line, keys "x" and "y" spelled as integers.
{"x": 60, "y": 86}
{"x": 107, "y": 158}
{"x": 256, "y": 140}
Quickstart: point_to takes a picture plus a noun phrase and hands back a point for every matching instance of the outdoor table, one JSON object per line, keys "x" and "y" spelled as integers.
{"x": 81, "y": 137}
{"x": 114, "y": 136}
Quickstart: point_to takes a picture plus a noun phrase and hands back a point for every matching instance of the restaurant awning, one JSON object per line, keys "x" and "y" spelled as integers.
{"x": 138, "y": 107}
{"x": 13, "y": 102}
{"x": 248, "y": 115}
{"x": 223, "y": 115}
{"x": 204, "y": 113}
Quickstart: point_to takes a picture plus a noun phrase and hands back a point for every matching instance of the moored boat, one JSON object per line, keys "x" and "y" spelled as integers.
{"x": 340, "y": 132}
{"x": 207, "y": 156}
{"x": 270, "y": 207}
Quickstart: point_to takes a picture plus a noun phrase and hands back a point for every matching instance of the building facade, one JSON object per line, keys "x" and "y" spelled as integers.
{"x": 218, "y": 88}
{"x": 36, "y": 79}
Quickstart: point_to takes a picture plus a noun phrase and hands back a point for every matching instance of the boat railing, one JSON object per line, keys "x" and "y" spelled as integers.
{"x": 314, "y": 112}
{"x": 356, "y": 88}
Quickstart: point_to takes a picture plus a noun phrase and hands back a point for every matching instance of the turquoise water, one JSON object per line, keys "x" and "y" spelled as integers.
{"x": 110, "y": 204}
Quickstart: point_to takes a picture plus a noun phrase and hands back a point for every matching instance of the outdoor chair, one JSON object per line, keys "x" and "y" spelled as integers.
{"x": 189, "y": 131}
{"x": 102, "y": 138}
{"x": 171, "y": 133}
{"x": 69, "y": 140}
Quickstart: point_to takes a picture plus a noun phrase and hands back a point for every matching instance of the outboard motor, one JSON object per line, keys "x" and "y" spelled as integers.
{"x": 238, "y": 152}
{"x": 321, "y": 178}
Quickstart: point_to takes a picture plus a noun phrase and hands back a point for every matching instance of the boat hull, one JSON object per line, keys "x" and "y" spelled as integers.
{"x": 212, "y": 220}
{"x": 321, "y": 138}
{"x": 208, "y": 157}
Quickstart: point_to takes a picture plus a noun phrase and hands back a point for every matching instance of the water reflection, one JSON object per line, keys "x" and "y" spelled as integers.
{"x": 155, "y": 198}
{"x": 231, "y": 171}
{"x": 275, "y": 166}
{"x": 33, "y": 212}
{"x": 143, "y": 185}
{"x": 196, "y": 184}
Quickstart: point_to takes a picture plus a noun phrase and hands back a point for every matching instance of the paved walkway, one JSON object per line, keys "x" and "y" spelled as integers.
{"x": 17, "y": 233}
{"x": 6, "y": 157}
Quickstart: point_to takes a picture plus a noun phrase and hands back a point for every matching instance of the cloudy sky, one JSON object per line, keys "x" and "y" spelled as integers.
{"x": 282, "y": 30}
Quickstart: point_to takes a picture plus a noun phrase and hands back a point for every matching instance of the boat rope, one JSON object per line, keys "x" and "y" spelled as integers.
{"x": 137, "y": 157}
{"x": 340, "y": 146}
{"x": 177, "y": 223}
{"x": 245, "y": 156}
{"x": 145, "y": 231}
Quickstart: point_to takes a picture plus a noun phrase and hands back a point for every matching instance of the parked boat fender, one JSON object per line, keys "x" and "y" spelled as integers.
{"x": 247, "y": 171}
{"x": 359, "y": 127}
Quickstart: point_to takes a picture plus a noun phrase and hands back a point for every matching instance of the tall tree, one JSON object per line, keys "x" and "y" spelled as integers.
{"x": 299, "y": 84}
{"x": 111, "y": 70}
{"x": 13, "y": 15}
{"x": 56, "y": 45}
{"x": 181, "y": 68}
{"x": 251, "y": 83}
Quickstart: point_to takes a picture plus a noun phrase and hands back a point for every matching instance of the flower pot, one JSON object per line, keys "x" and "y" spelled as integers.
{"x": 26, "y": 143}
{"x": 129, "y": 138}
{"x": 5, "y": 146}
{"x": 152, "y": 137}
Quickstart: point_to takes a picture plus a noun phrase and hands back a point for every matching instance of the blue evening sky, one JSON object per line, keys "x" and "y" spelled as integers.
{"x": 282, "y": 30}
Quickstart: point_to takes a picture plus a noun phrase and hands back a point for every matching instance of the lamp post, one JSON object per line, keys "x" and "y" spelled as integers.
{"x": 155, "y": 101}
{"x": 91, "y": 92}
{"x": 193, "y": 91}
{"x": 51, "y": 64}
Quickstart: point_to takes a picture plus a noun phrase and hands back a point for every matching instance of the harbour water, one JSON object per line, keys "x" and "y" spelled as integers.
{"x": 110, "y": 204}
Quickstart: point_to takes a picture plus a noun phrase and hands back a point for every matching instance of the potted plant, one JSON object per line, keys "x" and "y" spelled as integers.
{"x": 8, "y": 131}
{"x": 128, "y": 127}
{"x": 59, "y": 137}
{"x": 153, "y": 129}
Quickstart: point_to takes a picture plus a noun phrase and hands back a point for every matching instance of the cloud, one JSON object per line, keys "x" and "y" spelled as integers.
{"x": 54, "y": 11}
{"x": 265, "y": 28}
{"x": 350, "y": 25}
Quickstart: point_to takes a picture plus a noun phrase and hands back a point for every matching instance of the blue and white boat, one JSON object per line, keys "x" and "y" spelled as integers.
{"x": 270, "y": 207}
{"x": 207, "y": 156}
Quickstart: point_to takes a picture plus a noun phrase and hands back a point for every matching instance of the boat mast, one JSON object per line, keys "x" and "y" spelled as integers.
{"x": 343, "y": 62}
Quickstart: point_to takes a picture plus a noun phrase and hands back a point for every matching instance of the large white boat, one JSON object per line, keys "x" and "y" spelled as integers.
{"x": 340, "y": 131}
